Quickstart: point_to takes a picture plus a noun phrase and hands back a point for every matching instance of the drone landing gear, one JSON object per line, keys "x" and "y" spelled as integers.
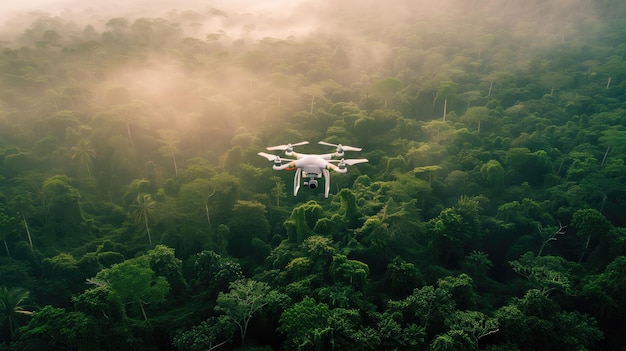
{"x": 312, "y": 182}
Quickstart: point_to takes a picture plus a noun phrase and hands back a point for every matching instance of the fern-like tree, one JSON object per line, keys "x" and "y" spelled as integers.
{"x": 142, "y": 212}
{"x": 12, "y": 307}
{"x": 84, "y": 153}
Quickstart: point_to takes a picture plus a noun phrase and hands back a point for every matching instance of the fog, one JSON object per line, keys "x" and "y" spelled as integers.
{"x": 257, "y": 61}
{"x": 283, "y": 18}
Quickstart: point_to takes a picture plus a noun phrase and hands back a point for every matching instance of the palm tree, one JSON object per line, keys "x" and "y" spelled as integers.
{"x": 84, "y": 153}
{"x": 12, "y": 306}
{"x": 143, "y": 211}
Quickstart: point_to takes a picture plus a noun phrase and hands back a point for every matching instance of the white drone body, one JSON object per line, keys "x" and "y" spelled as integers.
{"x": 311, "y": 167}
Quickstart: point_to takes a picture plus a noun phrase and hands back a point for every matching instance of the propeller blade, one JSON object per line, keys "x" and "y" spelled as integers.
{"x": 341, "y": 148}
{"x": 350, "y": 161}
{"x": 285, "y": 147}
{"x": 355, "y": 161}
{"x": 269, "y": 157}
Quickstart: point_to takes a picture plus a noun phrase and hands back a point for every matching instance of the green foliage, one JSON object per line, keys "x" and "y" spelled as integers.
{"x": 54, "y": 327}
{"x": 134, "y": 281}
{"x": 245, "y": 298}
{"x": 302, "y": 220}
{"x": 478, "y": 142}
{"x": 536, "y": 321}
{"x": 546, "y": 273}
{"x": 13, "y": 307}
{"x": 208, "y": 335}
{"x": 403, "y": 277}
{"x": 343, "y": 270}
{"x": 590, "y": 221}
{"x": 213, "y": 273}
{"x": 305, "y": 324}
{"x": 248, "y": 222}
{"x": 492, "y": 173}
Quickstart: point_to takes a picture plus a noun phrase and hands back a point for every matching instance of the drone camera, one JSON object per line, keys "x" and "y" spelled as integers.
{"x": 311, "y": 183}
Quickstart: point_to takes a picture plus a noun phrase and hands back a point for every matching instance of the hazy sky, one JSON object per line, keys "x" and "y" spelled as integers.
{"x": 28, "y": 5}
{"x": 60, "y": 5}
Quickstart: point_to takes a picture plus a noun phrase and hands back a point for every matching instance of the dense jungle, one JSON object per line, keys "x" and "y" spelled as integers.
{"x": 135, "y": 213}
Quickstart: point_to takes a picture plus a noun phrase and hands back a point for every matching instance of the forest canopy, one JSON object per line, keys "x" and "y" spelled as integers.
{"x": 135, "y": 213}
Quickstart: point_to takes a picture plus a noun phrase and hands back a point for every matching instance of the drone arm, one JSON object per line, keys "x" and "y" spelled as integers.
{"x": 326, "y": 182}
{"x": 296, "y": 181}
{"x": 286, "y": 167}
{"x": 332, "y": 167}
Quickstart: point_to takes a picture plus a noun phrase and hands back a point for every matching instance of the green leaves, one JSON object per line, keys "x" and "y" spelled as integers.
{"x": 546, "y": 273}
{"x": 134, "y": 281}
{"x": 245, "y": 298}
{"x": 304, "y": 323}
{"x": 12, "y": 307}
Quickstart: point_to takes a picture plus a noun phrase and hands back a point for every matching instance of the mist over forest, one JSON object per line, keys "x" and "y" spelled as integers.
{"x": 136, "y": 213}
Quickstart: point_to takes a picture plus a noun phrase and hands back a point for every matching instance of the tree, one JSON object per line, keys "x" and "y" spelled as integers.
{"x": 206, "y": 336}
{"x": 142, "y": 211}
{"x": 427, "y": 307}
{"x": 134, "y": 282}
{"x": 546, "y": 273}
{"x": 245, "y": 298}
{"x": 54, "y": 328}
{"x": 492, "y": 173}
{"x": 278, "y": 190}
{"x": 301, "y": 221}
{"x": 213, "y": 274}
{"x": 84, "y": 153}
{"x": 386, "y": 88}
{"x": 12, "y": 307}
{"x": 248, "y": 222}
{"x": 352, "y": 272}
{"x": 62, "y": 202}
{"x": 536, "y": 321}
{"x": 448, "y": 91}
{"x": 604, "y": 292}
{"x": 305, "y": 324}
{"x": 6, "y": 226}
{"x": 475, "y": 114}
{"x": 165, "y": 264}
{"x": 403, "y": 277}
{"x": 466, "y": 330}
{"x": 613, "y": 68}
{"x": 170, "y": 142}
{"x": 195, "y": 195}
{"x": 555, "y": 80}
{"x": 590, "y": 222}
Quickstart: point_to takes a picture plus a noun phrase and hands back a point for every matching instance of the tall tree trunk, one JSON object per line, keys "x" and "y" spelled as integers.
{"x": 30, "y": 239}
{"x": 206, "y": 211}
{"x": 605, "y": 155}
{"x": 143, "y": 311}
{"x": 175, "y": 165}
{"x": 6, "y": 247}
{"x": 148, "y": 230}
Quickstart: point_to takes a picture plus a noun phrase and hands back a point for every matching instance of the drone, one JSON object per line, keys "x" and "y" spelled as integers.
{"x": 312, "y": 167}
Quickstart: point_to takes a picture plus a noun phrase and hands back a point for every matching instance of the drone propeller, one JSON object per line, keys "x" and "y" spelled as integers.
{"x": 341, "y": 148}
{"x": 277, "y": 159}
{"x": 286, "y": 147}
{"x": 350, "y": 161}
